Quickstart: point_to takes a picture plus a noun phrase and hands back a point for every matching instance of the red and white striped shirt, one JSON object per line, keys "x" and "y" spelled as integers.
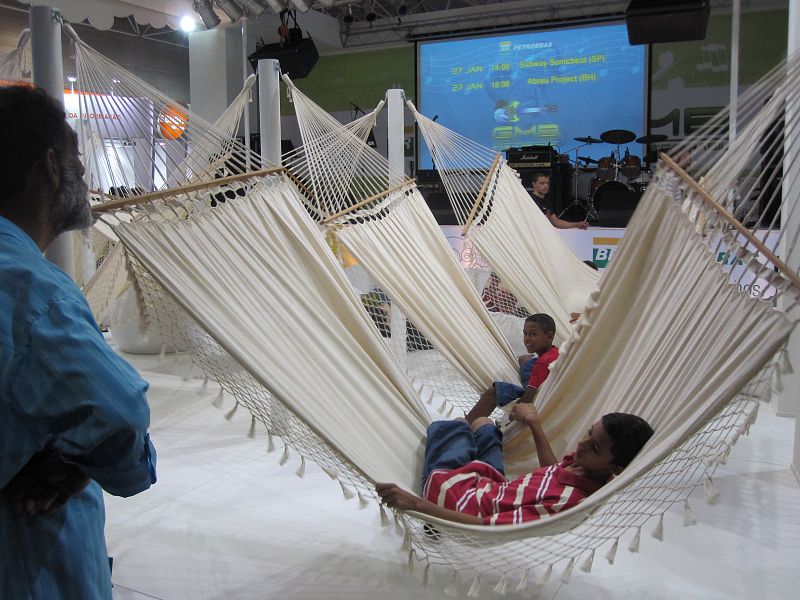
{"x": 479, "y": 489}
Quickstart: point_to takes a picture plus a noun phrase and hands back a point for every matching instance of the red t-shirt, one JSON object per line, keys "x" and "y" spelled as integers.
{"x": 480, "y": 490}
{"x": 541, "y": 368}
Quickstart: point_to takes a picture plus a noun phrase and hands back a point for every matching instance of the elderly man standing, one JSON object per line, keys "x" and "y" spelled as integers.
{"x": 73, "y": 414}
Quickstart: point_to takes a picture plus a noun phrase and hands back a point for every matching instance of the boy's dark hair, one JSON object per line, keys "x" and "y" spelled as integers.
{"x": 537, "y": 174}
{"x": 543, "y": 320}
{"x": 31, "y": 122}
{"x": 629, "y": 434}
{"x": 591, "y": 264}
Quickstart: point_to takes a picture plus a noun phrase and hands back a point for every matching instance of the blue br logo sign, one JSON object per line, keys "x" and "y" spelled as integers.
{"x": 603, "y": 249}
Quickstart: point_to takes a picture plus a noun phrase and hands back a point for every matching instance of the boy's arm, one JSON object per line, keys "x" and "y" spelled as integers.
{"x": 527, "y": 414}
{"x": 396, "y": 497}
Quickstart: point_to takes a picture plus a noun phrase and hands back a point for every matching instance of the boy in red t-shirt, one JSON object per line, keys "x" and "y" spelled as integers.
{"x": 537, "y": 334}
{"x": 464, "y": 481}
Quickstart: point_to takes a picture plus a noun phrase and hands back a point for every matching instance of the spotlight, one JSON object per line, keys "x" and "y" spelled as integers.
{"x": 301, "y": 5}
{"x": 252, "y": 7}
{"x": 206, "y": 12}
{"x": 348, "y": 15}
{"x": 371, "y": 16}
{"x": 72, "y": 78}
{"x": 231, "y": 9}
{"x": 188, "y": 24}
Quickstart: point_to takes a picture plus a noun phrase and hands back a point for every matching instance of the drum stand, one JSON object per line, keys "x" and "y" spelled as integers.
{"x": 588, "y": 205}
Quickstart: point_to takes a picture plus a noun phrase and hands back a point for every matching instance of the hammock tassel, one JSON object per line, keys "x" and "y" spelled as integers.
{"x": 410, "y": 561}
{"x": 475, "y": 588}
{"x": 688, "y": 515}
{"x": 450, "y": 411}
{"x": 231, "y": 412}
{"x": 502, "y": 585}
{"x": 301, "y": 470}
{"x": 270, "y": 442}
{"x": 452, "y": 589}
{"x": 612, "y": 553}
{"x": 346, "y": 492}
{"x": 634, "y": 547}
{"x": 203, "y": 386}
{"x": 363, "y": 501}
{"x": 398, "y": 526}
{"x": 784, "y": 364}
{"x": 425, "y": 575}
{"x": 163, "y": 352}
{"x": 330, "y": 472}
{"x": 712, "y": 495}
{"x": 658, "y": 532}
{"x": 567, "y": 574}
{"x": 523, "y": 583}
{"x": 443, "y": 406}
{"x": 251, "y": 433}
{"x": 217, "y": 401}
{"x": 586, "y": 567}
{"x": 284, "y": 456}
{"x": 546, "y": 577}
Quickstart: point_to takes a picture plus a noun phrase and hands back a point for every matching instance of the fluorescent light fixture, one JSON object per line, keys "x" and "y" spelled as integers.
{"x": 231, "y": 9}
{"x": 301, "y": 5}
{"x": 252, "y": 7}
{"x": 188, "y": 24}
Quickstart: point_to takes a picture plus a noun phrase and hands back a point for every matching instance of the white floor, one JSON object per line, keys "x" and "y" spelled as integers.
{"x": 226, "y": 521}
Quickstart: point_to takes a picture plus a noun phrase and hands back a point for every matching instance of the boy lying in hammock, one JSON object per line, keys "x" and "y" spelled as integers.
{"x": 464, "y": 478}
{"x": 537, "y": 335}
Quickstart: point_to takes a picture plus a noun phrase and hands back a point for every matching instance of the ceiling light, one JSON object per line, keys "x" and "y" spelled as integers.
{"x": 206, "y": 12}
{"x": 187, "y": 24}
{"x": 301, "y": 5}
{"x": 252, "y": 7}
{"x": 231, "y": 9}
{"x": 72, "y": 78}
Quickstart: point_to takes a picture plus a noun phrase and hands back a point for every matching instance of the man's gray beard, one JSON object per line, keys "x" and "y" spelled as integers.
{"x": 71, "y": 210}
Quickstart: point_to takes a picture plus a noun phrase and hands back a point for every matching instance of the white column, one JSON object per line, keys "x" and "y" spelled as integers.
{"x": 788, "y": 401}
{"x": 48, "y": 74}
{"x": 395, "y": 110}
{"x": 245, "y": 75}
{"x": 734, "y": 91}
{"x": 269, "y": 110}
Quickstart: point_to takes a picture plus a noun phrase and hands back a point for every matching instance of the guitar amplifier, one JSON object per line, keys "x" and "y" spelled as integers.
{"x": 532, "y": 157}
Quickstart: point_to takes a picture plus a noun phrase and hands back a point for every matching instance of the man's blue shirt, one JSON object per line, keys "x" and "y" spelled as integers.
{"x": 62, "y": 386}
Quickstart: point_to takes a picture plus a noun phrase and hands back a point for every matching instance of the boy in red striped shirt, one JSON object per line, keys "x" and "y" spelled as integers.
{"x": 464, "y": 479}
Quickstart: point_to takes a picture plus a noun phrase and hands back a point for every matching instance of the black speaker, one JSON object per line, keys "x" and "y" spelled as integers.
{"x": 296, "y": 59}
{"x": 655, "y": 21}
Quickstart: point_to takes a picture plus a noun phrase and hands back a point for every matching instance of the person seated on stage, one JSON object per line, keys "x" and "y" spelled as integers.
{"x": 464, "y": 480}
{"x": 537, "y": 335}
{"x": 541, "y": 188}
{"x": 498, "y": 299}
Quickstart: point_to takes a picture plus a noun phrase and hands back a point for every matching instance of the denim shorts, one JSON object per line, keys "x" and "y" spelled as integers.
{"x": 505, "y": 392}
{"x": 452, "y": 444}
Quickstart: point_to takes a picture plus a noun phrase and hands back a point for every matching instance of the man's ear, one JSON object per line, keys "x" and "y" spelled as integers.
{"x": 52, "y": 169}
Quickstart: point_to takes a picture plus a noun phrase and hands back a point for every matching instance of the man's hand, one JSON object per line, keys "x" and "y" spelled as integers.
{"x": 45, "y": 484}
{"x": 582, "y": 225}
{"x": 394, "y": 496}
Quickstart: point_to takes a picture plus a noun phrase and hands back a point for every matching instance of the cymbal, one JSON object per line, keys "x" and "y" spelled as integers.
{"x": 618, "y": 136}
{"x": 653, "y": 138}
{"x": 588, "y": 140}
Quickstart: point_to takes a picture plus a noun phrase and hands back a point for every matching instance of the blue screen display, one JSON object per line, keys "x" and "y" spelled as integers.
{"x": 534, "y": 89}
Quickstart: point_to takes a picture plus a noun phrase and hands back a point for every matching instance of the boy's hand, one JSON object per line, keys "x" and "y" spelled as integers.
{"x": 524, "y": 412}
{"x": 394, "y": 496}
{"x": 45, "y": 484}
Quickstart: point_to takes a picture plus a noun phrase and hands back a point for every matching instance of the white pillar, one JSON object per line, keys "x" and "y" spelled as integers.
{"x": 245, "y": 75}
{"x": 788, "y": 401}
{"x": 395, "y": 134}
{"x": 269, "y": 110}
{"x": 736, "y": 16}
{"x": 48, "y": 74}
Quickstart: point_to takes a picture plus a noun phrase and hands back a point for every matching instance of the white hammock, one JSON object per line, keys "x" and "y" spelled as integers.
{"x": 14, "y": 67}
{"x": 507, "y": 228}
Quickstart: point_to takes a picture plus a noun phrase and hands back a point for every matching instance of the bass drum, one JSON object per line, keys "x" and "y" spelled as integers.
{"x": 606, "y": 190}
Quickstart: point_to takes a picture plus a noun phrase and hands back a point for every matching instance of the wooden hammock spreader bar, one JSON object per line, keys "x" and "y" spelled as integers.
{"x": 728, "y": 218}
{"x": 481, "y": 194}
{"x": 192, "y": 187}
{"x": 366, "y": 201}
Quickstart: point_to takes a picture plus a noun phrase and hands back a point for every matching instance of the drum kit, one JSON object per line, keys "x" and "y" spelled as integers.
{"x": 618, "y": 172}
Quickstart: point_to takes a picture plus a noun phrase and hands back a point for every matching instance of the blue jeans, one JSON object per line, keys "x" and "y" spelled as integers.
{"x": 505, "y": 392}
{"x": 452, "y": 444}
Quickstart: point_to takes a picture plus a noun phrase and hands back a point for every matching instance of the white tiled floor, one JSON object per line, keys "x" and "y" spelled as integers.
{"x": 227, "y": 521}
